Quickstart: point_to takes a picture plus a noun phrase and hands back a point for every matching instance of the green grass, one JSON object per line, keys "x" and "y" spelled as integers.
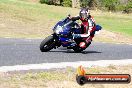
{"x": 17, "y": 7}
{"x": 34, "y": 20}
{"x": 64, "y": 78}
{"x": 29, "y": 20}
{"x": 116, "y": 22}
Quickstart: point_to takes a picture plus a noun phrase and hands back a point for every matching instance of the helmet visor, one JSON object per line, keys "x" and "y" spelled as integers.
{"x": 83, "y": 14}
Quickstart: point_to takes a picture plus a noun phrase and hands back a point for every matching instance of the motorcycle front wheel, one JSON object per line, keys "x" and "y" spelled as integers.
{"x": 47, "y": 44}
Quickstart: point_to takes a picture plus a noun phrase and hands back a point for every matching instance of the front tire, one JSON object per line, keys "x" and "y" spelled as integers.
{"x": 47, "y": 44}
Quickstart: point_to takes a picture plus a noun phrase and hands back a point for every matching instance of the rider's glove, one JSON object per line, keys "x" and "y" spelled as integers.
{"x": 69, "y": 16}
{"x": 76, "y": 35}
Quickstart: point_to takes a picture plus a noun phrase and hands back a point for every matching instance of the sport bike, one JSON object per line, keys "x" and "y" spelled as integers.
{"x": 62, "y": 36}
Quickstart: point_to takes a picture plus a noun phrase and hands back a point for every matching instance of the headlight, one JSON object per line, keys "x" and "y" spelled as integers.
{"x": 58, "y": 29}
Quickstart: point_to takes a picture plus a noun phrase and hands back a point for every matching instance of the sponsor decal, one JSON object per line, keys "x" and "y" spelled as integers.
{"x": 83, "y": 78}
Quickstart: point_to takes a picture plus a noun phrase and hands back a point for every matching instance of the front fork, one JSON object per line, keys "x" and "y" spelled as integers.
{"x": 56, "y": 40}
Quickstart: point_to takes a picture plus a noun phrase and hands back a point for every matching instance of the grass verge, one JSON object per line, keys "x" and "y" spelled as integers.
{"x": 28, "y": 19}
{"x": 60, "y": 78}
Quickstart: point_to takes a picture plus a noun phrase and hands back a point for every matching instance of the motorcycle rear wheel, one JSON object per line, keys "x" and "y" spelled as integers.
{"x": 78, "y": 49}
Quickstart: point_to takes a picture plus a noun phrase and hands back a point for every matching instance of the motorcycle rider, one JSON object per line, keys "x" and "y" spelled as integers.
{"x": 88, "y": 27}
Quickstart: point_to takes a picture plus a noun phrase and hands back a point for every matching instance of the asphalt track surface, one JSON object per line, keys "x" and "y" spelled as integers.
{"x": 26, "y": 51}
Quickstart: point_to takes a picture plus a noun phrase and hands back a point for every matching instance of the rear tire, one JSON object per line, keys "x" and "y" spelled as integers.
{"x": 47, "y": 44}
{"x": 78, "y": 49}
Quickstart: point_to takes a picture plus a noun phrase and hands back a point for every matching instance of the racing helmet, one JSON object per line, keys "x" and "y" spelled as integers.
{"x": 84, "y": 13}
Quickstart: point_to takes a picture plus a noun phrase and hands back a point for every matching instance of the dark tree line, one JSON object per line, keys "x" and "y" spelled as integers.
{"x": 66, "y": 3}
{"x": 109, "y": 5}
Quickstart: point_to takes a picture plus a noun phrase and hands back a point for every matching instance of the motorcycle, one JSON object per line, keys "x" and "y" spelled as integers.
{"x": 62, "y": 36}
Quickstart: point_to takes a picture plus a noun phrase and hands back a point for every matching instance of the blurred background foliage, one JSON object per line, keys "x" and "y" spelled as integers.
{"x": 108, "y": 5}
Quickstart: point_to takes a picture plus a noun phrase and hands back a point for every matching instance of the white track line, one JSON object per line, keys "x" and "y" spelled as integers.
{"x": 64, "y": 65}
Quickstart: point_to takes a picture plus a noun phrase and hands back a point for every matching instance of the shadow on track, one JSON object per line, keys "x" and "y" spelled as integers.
{"x": 71, "y": 51}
